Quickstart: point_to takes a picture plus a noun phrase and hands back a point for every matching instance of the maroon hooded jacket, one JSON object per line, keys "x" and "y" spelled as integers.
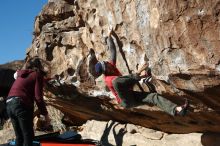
{"x": 29, "y": 87}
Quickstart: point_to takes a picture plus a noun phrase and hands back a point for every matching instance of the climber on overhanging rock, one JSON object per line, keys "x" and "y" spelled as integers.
{"x": 108, "y": 68}
{"x": 121, "y": 86}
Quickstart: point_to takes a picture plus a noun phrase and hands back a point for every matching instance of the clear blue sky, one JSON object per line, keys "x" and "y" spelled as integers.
{"x": 16, "y": 27}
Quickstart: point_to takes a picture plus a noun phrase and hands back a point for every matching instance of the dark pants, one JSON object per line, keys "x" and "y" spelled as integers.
{"x": 22, "y": 121}
{"x": 123, "y": 86}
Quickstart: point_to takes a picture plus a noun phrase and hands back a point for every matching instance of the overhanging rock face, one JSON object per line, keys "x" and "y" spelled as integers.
{"x": 179, "y": 38}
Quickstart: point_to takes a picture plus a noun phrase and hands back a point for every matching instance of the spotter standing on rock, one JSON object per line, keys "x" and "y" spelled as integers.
{"x": 27, "y": 88}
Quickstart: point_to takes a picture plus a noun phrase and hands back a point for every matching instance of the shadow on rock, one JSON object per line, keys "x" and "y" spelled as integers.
{"x": 118, "y": 137}
{"x": 210, "y": 139}
{"x": 104, "y": 138}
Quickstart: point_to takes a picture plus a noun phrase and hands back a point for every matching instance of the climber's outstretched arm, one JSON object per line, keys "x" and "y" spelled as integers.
{"x": 112, "y": 48}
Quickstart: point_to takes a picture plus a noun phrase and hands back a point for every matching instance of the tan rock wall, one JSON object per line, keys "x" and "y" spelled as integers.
{"x": 180, "y": 38}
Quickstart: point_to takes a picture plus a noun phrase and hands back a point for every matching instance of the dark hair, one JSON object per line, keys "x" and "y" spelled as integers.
{"x": 35, "y": 64}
